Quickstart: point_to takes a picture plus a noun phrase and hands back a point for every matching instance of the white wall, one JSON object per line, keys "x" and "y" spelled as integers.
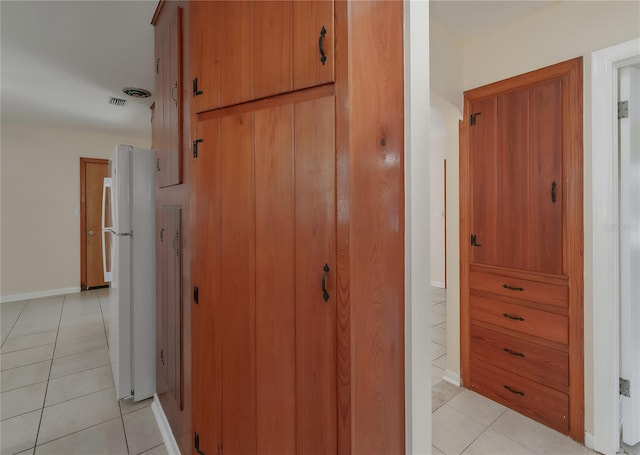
{"x": 555, "y": 33}
{"x": 437, "y": 154}
{"x": 40, "y": 192}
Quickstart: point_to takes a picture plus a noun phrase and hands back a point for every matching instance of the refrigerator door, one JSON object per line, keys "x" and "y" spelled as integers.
{"x": 121, "y": 177}
{"x": 143, "y": 217}
{"x": 120, "y": 314}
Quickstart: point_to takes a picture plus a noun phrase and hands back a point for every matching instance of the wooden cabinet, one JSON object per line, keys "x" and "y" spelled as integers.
{"x": 245, "y": 50}
{"x": 297, "y": 227}
{"x": 521, "y": 245}
{"x": 167, "y": 115}
{"x": 276, "y": 365}
{"x": 169, "y": 314}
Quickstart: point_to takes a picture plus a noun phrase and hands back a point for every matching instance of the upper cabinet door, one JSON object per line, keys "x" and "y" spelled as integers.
{"x": 247, "y": 50}
{"x": 313, "y": 49}
{"x": 167, "y": 128}
{"x": 204, "y": 42}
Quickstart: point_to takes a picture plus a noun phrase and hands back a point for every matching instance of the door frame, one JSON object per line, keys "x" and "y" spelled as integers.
{"x": 83, "y": 217}
{"x": 606, "y": 331}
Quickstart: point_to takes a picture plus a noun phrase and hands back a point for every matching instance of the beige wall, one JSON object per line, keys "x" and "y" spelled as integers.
{"x": 554, "y": 33}
{"x": 446, "y": 69}
{"x": 40, "y": 193}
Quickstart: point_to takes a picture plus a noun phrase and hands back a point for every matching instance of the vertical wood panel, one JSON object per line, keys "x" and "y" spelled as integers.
{"x": 377, "y": 226}
{"x": 275, "y": 282}
{"x": 273, "y": 48}
{"x": 483, "y": 174}
{"x": 315, "y": 247}
{"x": 236, "y": 52}
{"x": 513, "y": 178}
{"x": 308, "y": 19}
{"x": 173, "y": 264}
{"x": 206, "y": 323}
{"x": 237, "y": 219}
{"x": 205, "y": 43}
{"x": 545, "y": 158}
{"x": 174, "y": 158}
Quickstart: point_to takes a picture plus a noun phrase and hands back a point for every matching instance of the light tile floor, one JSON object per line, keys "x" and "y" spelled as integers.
{"x": 464, "y": 422}
{"x": 56, "y": 384}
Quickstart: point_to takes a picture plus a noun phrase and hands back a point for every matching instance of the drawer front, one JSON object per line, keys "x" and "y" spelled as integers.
{"x": 533, "y": 291}
{"x": 546, "y": 405}
{"x": 533, "y": 361}
{"x": 522, "y": 319}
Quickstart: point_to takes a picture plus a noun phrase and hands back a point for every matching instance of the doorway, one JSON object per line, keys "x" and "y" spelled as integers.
{"x": 92, "y": 174}
{"x": 611, "y": 248}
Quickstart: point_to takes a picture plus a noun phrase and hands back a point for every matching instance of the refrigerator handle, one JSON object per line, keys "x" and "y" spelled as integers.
{"x": 105, "y": 230}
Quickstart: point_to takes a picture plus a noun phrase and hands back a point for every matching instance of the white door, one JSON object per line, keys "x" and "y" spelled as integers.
{"x": 630, "y": 252}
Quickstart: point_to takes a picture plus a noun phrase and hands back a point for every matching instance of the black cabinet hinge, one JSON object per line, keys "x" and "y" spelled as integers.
{"x": 157, "y": 66}
{"x": 195, "y": 147}
{"x": 474, "y": 240}
{"x": 162, "y": 355}
{"x": 473, "y": 118}
{"x": 195, "y": 294}
{"x": 196, "y": 92}
{"x": 157, "y": 164}
{"x": 162, "y": 234}
{"x": 196, "y": 443}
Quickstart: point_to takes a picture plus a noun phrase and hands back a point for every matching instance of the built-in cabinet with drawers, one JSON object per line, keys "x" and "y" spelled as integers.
{"x": 281, "y": 225}
{"x": 521, "y": 245}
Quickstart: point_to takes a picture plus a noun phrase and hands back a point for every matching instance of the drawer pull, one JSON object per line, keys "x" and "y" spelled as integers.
{"x": 517, "y": 392}
{"x": 506, "y": 286}
{"x": 515, "y": 318}
{"x": 509, "y": 351}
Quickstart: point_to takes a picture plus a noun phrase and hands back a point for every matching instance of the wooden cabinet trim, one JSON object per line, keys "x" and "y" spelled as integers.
{"x": 265, "y": 103}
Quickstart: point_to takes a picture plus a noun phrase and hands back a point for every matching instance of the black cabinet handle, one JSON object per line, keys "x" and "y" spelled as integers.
{"x": 323, "y": 57}
{"x": 517, "y": 392}
{"x": 515, "y": 318}
{"x": 509, "y": 351}
{"x": 553, "y": 192}
{"x": 325, "y": 294}
{"x": 506, "y": 286}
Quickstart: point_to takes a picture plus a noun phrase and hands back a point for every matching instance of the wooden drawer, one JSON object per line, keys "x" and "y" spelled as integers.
{"x": 533, "y": 291}
{"x": 522, "y": 319}
{"x": 544, "y": 404}
{"x": 533, "y": 361}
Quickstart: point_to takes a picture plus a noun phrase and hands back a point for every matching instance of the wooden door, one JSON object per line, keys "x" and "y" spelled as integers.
{"x": 167, "y": 116}
{"x": 92, "y": 174}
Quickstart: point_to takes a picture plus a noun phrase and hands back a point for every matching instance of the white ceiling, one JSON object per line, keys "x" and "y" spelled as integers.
{"x": 469, "y": 17}
{"x": 63, "y": 60}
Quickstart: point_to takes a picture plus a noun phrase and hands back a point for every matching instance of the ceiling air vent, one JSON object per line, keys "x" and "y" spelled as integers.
{"x": 137, "y": 92}
{"x": 117, "y": 101}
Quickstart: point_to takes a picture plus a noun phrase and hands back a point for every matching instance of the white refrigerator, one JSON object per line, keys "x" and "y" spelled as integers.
{"x": 128, "y": 231}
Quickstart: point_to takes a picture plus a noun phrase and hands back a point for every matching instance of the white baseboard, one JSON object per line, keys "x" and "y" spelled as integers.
{"x": 589, "y": 440}
{"x": 39, "y": 294}
{"x": 165, "y": 429}
{"x": 452, "y": 377}
{"x": 437, "y": 284}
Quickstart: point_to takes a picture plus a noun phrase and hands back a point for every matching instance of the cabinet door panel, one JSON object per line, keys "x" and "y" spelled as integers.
{"x": 275, "y": 281}
{"x": 236, "y": 52}
{"x": 238, "y": 284}
{"x": 483, "y": 172}
{"x": 161, "y": 307}
{"x": 315, "y": 247}
{"x": 204, "y": 42}
{"x": 513, "y": 179}
{"x": 309, "y": 18}
{"x": 545, "y": 178}
{"x": 273, "y": 50}
{"x": 174, "y": 302}
{"x": 168, "y": 115}
{"x": 206, "y": 270}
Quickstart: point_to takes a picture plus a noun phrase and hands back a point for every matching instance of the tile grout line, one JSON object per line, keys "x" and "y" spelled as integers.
{"x": 35, "y": 444}
{"x": 14, "y": 324}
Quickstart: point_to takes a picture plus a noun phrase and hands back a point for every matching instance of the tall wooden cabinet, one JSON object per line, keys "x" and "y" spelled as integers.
{"x": 521, "y": 245}
{"x": 170, "y": 139}
{"x": 297, "y": 227}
